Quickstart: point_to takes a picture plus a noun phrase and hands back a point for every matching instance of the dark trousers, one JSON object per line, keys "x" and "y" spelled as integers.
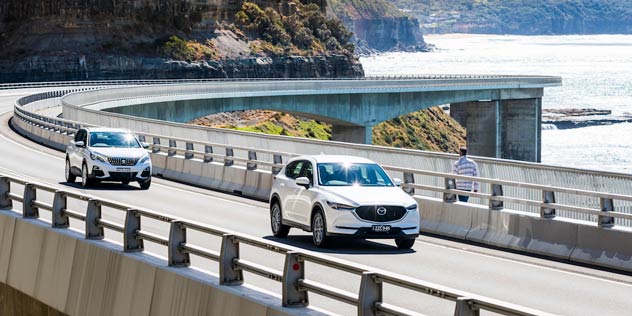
{"x": 464, "y": 198}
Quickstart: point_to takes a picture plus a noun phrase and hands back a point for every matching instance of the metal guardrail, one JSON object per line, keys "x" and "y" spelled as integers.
{"x": 548, "y": 207}
{"x": 295, "y": 285}
{"x": 7, "y": 86}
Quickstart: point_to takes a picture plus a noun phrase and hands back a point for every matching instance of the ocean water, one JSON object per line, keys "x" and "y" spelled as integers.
{"x": 596, "y": 71}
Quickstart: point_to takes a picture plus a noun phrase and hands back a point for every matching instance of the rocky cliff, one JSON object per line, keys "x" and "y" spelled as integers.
{"x": 379, "y": 26}
{"x": 125, "y": 39}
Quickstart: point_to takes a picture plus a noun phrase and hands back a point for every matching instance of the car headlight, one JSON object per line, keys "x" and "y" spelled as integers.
{"x": 144, "y": 159}
{"x": 341, "y": 206}
{"x": 411, "y": 207}
{"x": 95, "y": 156}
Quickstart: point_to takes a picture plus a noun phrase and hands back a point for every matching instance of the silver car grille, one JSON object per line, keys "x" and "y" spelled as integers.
{"x": 122, "y": 161}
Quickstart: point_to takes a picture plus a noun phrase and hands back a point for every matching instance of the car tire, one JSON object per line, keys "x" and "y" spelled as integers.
{"x": 144, "y": 185}
{"x": 404, "y": 243}
{"x": 70, "y": 178}
{"x": 276, "y": 221}
{"x": 86, "y": 182}
{"x": 319, "y": 229}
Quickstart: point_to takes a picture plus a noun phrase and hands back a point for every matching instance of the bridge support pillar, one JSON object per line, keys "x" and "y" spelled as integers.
{"x": 508, "y": 129}
{"x": 352, "y": 134}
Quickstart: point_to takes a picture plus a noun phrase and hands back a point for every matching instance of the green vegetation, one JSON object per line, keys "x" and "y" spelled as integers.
{"x": 523, "y": 16}
{"x": 180, "y": 49}
{"x": 307, "y": 31}
{"x": 364, "y": 9}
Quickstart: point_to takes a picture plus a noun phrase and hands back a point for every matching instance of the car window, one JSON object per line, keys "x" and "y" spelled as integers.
{"x": 79, "y": 135}
{"x": 84, "y": 137}
{"x": 113, "y": 139}
{"x": 293, "y": 169}
{"x": 307, "y": 171}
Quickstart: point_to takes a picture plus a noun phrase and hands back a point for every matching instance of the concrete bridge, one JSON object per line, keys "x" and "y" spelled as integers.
{"x": 507, "y": 127}
{"x": 569, "y": 214}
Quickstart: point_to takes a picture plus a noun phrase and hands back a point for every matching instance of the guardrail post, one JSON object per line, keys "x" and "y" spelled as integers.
{"x": 293, "y": 271}
{"x": 131, "y": 243}
{"x": 59, "y": 220}
{"x": 93, "y": 215}
{"x": 5, "y": 189}
{"x": 209, "y": 150}
{"x": 497, "y": 190}
{"x": 607, "y": 205}
{"x": 409, "y": 178}
{"x": 172, "y": 144}
{"x": 548, "y": 197}
{"x": 451, "y": 185}
{"x": 278, "y": 160}
{"x": 156, "y": 149}
{"x": 188, "y": 154}
{"x": 370, "y": 294}
{"x": 30, "y": 195}
{"x": 252, "y": 155}
{"x": 465, "y": 307}
{"x": 228, "y": 275}
{"x": 227, "y": 161}
{"x": 178, "y": 237}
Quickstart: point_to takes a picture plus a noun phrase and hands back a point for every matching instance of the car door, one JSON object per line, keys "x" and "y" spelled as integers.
{"x": 291, "y": 189}
{"x": 76, "y": 152}
{"x": 304, "y": 197}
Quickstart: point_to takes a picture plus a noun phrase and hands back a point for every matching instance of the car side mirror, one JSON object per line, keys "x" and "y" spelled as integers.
{"x": 145, "y": 145}
{"x": 397, "y": 182}
{"x": 303, "y": 181}
{"x": 80, "y": 144}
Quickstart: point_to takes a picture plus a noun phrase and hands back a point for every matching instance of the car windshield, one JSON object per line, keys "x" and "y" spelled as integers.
{"x": 348, "y": 174}
{"x": 113, "y": 139}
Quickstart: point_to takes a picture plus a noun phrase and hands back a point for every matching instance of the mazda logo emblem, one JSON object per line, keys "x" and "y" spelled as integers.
{"x": 381, "y": 211}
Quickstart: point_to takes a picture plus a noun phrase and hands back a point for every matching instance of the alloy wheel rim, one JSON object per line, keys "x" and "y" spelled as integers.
{"x": 84, "y": 175}
{"x": 318, "y": 228}
{"x": 276, "y": 218}
{"x": 67, "y": 169}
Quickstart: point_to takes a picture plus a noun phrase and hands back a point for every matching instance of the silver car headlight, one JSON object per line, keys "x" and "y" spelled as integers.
{"x": 144, "y": 159}
{"x": 341, "y": 206}
{"x": 411, "y": 208}
{"x": 95, "y": 156}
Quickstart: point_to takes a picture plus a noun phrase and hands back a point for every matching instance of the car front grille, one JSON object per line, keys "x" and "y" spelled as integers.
{"x": 122, "y": 176}
{"x": 370, "y": 213}
{"x": 122, "y": 161}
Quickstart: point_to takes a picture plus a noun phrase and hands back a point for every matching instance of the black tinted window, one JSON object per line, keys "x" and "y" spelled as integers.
{"x": 293, "y": 169}
{"x": 79, "y": 135}
{"x": 307, "y": 171}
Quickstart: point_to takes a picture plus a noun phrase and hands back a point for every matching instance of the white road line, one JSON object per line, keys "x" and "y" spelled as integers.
{"x": 158, "y": 184}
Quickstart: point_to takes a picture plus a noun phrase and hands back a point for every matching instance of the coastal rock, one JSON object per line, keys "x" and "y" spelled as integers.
{"x": 575, "y": 118}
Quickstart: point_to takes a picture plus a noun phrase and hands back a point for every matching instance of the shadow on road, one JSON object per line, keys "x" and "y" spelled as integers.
{"x": 345, "y": 246}
{"x": 106, "y": 186}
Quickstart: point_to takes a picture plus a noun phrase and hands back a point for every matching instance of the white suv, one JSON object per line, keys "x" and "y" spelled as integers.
{"x": 342, "y": 196}
{"x": 107, "y": 154}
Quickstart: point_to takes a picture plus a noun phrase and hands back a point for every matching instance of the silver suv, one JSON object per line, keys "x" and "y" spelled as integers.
{"x": 107, "y": 154}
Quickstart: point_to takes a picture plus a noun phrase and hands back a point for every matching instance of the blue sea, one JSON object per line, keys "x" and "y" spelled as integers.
{"x": 597, "y": 74}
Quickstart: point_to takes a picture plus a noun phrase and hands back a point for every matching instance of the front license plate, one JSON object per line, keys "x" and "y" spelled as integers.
{"x": 123, "y": 169}
{"x": 381, "y": 228}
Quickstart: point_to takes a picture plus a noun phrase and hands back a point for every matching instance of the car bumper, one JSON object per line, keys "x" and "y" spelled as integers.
{"x": 347, "y": 224}
{"x": 105, "y": 172}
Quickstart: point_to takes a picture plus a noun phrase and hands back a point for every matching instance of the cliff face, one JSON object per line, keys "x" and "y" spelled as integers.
{"x": 379, "y": 26}
{"x": 523, "y": 17}
{"x": 126, "y": 39}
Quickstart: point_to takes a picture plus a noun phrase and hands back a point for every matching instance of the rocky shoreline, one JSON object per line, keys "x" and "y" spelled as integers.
{"x": 576, "y": 118}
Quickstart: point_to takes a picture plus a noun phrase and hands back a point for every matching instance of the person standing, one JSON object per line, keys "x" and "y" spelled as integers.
{"x": 465, "y": 167}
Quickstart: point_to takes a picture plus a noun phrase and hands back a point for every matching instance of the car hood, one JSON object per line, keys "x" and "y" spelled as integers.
{"x": 357, "y": 195}
{"x": 119, "y": 152}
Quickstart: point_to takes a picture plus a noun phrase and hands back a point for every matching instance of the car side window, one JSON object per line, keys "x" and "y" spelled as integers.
{"x": 84, "y": 138}
{"x": 308, "y": 171}
{"x": 293, "y": 170}
{"x": 79, "y": 134}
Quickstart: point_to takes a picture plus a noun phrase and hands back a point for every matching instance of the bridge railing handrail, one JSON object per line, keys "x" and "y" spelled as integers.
{"x": 605, "y": 215}
{"x": 295, "y": 285}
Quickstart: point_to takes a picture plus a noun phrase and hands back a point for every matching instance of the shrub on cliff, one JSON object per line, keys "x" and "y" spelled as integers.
{"x": 179, "y": 49}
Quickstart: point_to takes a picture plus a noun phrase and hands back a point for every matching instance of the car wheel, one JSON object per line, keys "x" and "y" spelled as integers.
{"x": 85, "y": 178}
{"x": 276, "y": 221}
{"x": 405, "y": 243}
{"x": 144, "y": 185}
{"x": 70, "y": 178}
{"x": 319, "y": 229}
